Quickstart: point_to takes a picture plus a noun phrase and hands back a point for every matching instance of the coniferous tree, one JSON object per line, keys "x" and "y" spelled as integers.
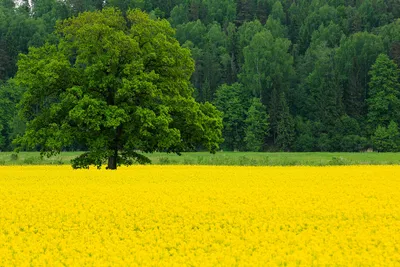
{"x": 354, "y": 59}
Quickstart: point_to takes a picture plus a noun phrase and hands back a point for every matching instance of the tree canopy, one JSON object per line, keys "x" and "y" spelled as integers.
{"x": 115, "y": 85}
{"x": 309, "y": 63}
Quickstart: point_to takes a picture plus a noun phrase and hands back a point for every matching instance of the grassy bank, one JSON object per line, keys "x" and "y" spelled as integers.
{"x": 224, "y": 158}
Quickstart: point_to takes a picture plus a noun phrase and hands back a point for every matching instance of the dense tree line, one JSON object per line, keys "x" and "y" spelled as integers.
{"x": 320, "y": 75}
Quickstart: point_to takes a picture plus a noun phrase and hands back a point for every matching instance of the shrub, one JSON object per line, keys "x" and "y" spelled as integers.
{"x": 32, "y": 160}
{"x": 188, "y": 161}
{"x": 164, "y": 160}
{"x": 337, "y": 161}
{"x": 14, "y": 157}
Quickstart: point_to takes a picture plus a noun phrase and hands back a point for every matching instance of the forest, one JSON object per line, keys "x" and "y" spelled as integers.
{"x": 287, "y": 75}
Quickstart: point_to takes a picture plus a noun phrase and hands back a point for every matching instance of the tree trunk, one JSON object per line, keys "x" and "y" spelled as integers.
{"x": 112, "y": 161}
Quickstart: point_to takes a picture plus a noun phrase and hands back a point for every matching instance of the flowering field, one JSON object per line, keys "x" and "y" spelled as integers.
{"x": 200, "y": 216}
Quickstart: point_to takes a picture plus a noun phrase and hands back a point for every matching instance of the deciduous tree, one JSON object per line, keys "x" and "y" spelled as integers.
{"x": 119, "y": 86}
{"x": 384, "y": 93}
{"x": 257, "y": 126}
{"x": 232, "y": 101}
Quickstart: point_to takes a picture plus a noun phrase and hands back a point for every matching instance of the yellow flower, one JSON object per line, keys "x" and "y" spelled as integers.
{"x": 200, "y": 215}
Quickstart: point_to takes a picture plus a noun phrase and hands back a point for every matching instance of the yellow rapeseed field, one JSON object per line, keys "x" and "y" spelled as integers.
{"x": 200, "y": 216}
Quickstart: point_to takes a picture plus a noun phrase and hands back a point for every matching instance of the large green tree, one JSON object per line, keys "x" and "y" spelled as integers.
{"x": 384, "y": 93}
{"x": 232, "y": 101}
{"x": 245, "y": 34}
{"x": 117, "y": 85}
{"x": 267, "y": 65}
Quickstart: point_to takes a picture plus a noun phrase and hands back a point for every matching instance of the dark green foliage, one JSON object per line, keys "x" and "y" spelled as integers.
{"x": 353, "y": 143}
{"x": 276, "y": 28}
{"x": 277, "y": 12}
{"x": 318, "y": 54}
{"x": 348, "y": 135}
{"x": 324, "y": 143}
{"x": 355, "y": 57}
{"x": 267, "y": 66}
{"x": 10, "y": 95}
{"x": 324, "y": 97}
{"x": 321, "y": 16}
{"x": 232, "y": 101}
{"x": 245, "y": 34}
{"x": 257, "y": 126}
{"x": 390, "y": 35}
{"x": 387, "y": 138}
{"x": 384, "y": 93}
{"x": 221, "y": 11}
{"x": 285, "y": 126}
{"x": 305, "y": 141}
